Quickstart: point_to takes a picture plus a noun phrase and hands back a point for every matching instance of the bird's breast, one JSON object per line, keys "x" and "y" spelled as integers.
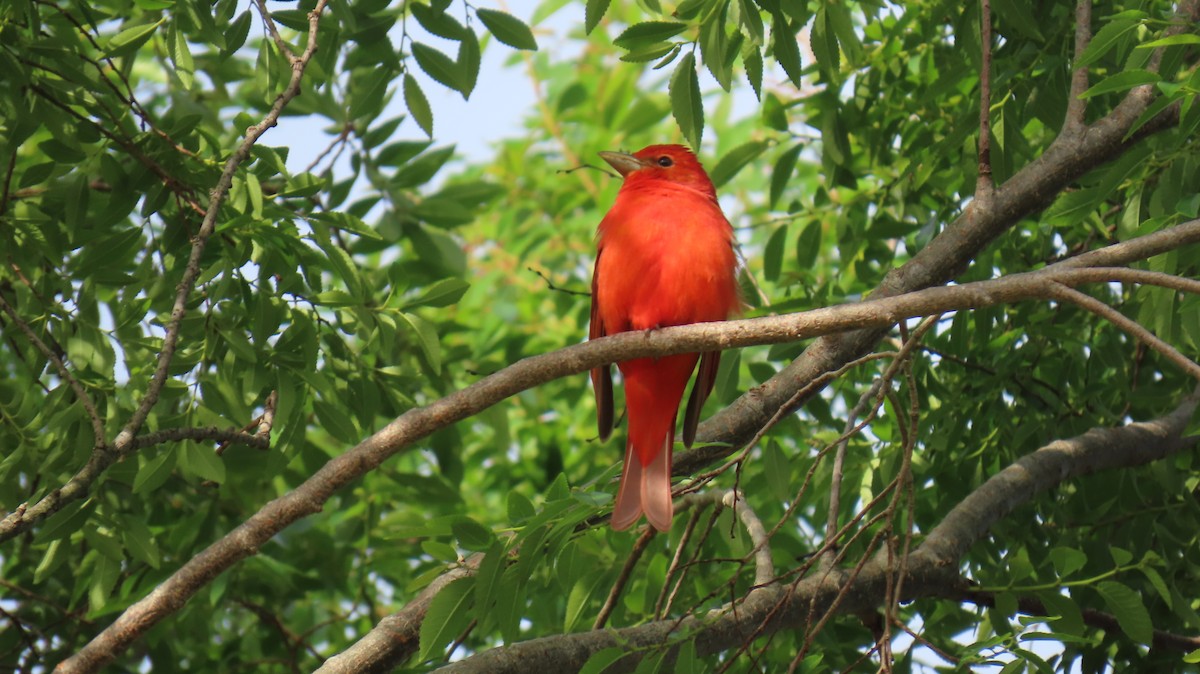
{"x": 665, "y": 261}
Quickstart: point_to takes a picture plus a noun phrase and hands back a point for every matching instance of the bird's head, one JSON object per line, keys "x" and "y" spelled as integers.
{"x": 661, "y": 163}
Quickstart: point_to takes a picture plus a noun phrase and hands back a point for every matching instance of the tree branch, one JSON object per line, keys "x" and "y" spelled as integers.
{"x": 949, "y": 253}
{"x": 1106, "y": 621}
{"x": 117, "y": 636}
{"x": 1099, "y": 449}
{"x": 396, "y": 637}
{"x": 99, "y": 461}
{"x": 931, "y": 571}
{"x": 1133, "y": 328}
{"x": 401, "y": 433}
{"x": 983, "y": 182}
{"x": 224, "y": 435}
{"x": 80, "y": 393}
{"x": 1076, "y": 105}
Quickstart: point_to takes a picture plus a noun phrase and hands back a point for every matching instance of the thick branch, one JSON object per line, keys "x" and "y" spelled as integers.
{"x": 415, "y": 424}
{"x": 1098, "y": 449}
{"x": 396, "y": 637}
{"x": 931, "y": 571}
{"x": 1030, "y": 190}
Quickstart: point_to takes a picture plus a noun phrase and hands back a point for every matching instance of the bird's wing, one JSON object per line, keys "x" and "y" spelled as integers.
{"x": 601, "y": 376}
{"x": 706, "y": 378}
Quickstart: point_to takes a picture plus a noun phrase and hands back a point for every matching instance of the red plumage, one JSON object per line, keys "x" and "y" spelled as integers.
{"x": 664, "y": 257}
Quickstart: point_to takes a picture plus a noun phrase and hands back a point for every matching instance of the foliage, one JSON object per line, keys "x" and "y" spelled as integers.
{"x": 326, "y": 301}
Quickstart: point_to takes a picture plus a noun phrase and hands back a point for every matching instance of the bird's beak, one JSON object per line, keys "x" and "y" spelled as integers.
{"x": 624, "y": 163}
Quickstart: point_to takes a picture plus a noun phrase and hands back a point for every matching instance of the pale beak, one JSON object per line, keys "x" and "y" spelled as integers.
{"x": 623, "y": 162}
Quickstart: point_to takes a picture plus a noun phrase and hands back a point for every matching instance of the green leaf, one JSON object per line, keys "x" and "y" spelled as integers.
{"x": 437, "y": 65}
{"x": 735, "y": 160}
{"x": 472, "y": 535}
{"x": 448, "y": 615}
{"x": 593, "y": 13}
{"x": 1159, "y": 585}
{"x": 520, "y": 508}
{"x": 578, "y": 599}
{"x": 139, "y": 541}
{"x": 440, "y": 551}
{"x": 469, "y": 60}
{"x": 153, "y": 472}
{"x": 442, "y": 293}
{"x": 785, "y": 165}
{"x": 773, "y": 253}
{"x": 400, "y": 152}
{"x": 418, "y": 105}
{"x": 235, "y": 37}
{"x": 753, "y": 61}
{"x": 203, "y": 462}
{"x": 132, "y": 38}
{"x": 1172, "y": 41}
{"x": 56, "y": 554}
{"x": 648, "y": 32}
{"x": 436, "y": 21}
{"x": 1106, "y": 38}
{"x": 508, "y": 29}
{"x": 778, "y": 471}
{"x": 336, "y": 421}
{"x": 1067, "y": 561}
{"x": 651, "y": 52}
{"x": 1121, "y": 82}
{"x": 181, "y": 56}
{"x": 1127, "y": 606}
{"x": 487, "y": 580}
{"x": 66, "y": 521}
{"x": 347, "y": 223}
{"x": 786, "y": 48}
{"x": 686, "y": 105}
{"x": 1193, "y": 657}
{"x": 105, "y": 573}
{"x": 419, "y": 171}
{"x": 601, "y": 660}
{"x": 427, "y": 337}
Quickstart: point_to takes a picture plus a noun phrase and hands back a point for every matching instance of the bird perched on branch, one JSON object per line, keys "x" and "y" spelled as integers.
{"x": 664, "y": 257}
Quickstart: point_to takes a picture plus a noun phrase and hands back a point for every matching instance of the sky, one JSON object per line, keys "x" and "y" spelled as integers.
{"x": 502, "y": 97}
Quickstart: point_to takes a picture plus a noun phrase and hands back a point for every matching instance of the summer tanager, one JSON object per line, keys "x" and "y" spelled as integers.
{"x": 664, "y": 257}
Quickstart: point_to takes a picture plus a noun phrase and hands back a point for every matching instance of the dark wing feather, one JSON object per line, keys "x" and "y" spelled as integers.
{"x": 706, "y": 378}
{"x": 601, "y": 376}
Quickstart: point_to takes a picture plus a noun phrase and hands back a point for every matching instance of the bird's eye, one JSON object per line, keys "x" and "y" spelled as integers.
{"x": 665, "y": 161}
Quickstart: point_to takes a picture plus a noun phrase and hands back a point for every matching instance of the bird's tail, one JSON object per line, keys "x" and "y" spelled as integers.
{"x": 653, "y": 390}
{"x": 645, "y": 489}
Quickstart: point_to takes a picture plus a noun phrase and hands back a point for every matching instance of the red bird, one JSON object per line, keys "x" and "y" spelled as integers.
{"x": 664, "y": 257}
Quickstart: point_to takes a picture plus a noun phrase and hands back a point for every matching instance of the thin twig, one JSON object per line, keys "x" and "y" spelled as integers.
{"x": 1133, "y": 328}
{"x": 81, "y": 393}
{"x": 779, "y": 414}
{"x": 676, "y": 559}
{"x": 273, "y": 31}
{"x": 550, "y": 284}
{"x": 983, "y": 184}
{"x": 223, "y": 435}
{"x": 764, "y": 566}
{"x": 639, "y": 547}
{"x": 851, "y": 428}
